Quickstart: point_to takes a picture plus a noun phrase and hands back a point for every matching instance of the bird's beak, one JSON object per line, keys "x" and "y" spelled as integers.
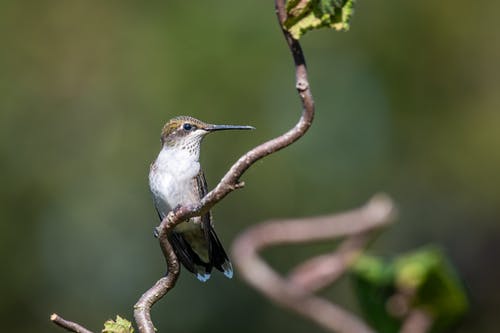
{"x": 213, "y": 128}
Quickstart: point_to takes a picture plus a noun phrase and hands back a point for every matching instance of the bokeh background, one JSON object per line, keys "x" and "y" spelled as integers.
{"x": 407, "y": 103}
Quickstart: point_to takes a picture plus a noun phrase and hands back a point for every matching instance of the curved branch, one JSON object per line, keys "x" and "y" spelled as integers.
{"x": 294, "y": 292}
{"x": 142, "y": 309}
{"x": 229, "y": 182}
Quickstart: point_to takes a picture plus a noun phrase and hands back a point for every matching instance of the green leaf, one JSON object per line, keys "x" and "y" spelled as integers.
{"x": 305, "y": 15}
{"x": 425, "y": 277}
{"x": 120, "y": 325}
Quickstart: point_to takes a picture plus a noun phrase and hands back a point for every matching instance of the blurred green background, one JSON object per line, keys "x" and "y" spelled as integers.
{"x": 407, "y": 103}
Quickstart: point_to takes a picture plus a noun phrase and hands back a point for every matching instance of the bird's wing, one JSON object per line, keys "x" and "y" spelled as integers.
{"x": 186, "y": 242}
{"x": 201, "y": 183}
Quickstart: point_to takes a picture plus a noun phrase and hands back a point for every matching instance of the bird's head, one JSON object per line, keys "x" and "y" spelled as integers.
{"x": 186, "y": 132}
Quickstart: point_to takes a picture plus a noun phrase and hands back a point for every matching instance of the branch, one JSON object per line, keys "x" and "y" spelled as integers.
{"x": 228, "y": 183}
{"x": 295, "y": 292}
{"x": 68, "y": 325}
{"x": 142, "y": 309}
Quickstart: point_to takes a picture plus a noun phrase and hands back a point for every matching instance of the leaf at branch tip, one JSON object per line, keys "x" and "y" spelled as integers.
{"x": 120, "y": 325}
{"x": 305, "y": 15}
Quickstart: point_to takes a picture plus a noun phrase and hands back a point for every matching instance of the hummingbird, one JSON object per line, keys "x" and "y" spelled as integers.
{"x": 176, "y": 179}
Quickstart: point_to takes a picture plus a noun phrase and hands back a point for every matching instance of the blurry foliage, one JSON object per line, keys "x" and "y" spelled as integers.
{"x": 407, "y": 103}
{"x": 423, "y": 279}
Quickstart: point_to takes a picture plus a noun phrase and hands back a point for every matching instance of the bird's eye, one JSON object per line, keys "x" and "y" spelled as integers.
{"x": 187, "y": 126}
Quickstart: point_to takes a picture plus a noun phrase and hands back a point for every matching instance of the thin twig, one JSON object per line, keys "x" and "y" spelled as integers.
{"x": 228, "y": 183}
{"x": 68, "y": 325}
{"x": 294, "y": 293}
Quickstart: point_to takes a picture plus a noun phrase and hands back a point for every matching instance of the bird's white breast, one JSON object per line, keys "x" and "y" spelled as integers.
{"x": 171, "y": 179}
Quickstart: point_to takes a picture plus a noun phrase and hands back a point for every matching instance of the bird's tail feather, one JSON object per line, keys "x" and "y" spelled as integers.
{"x": 218, "y": 257}
{"x": 190, "y": 259}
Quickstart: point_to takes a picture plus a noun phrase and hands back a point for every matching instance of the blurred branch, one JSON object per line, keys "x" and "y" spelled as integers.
{"x": 296, "y": 291}
{"x": 68, "y": 325}
{"x": 228, "y": 183}
{"x": 321, "y": 271}
{"x": 417, "y": 321}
